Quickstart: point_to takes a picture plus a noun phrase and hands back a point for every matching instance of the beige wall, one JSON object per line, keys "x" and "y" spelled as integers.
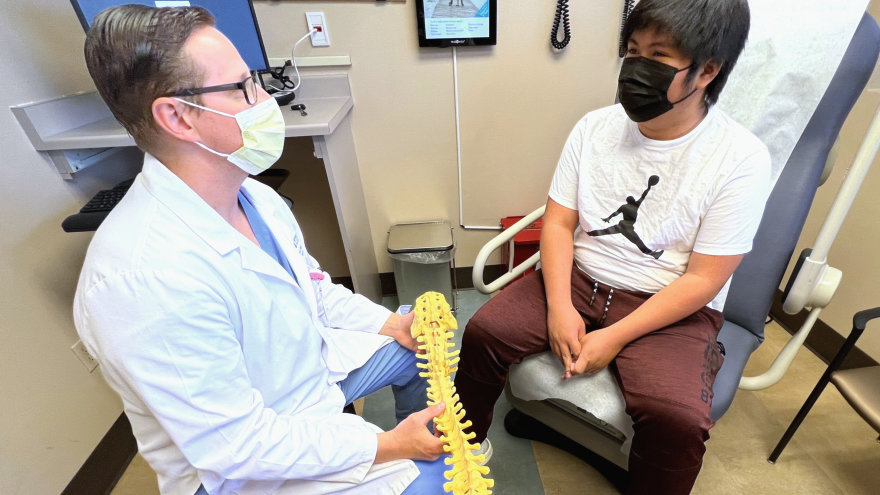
{"x": 53, "y": 412}
{"x": 518, "y": 102}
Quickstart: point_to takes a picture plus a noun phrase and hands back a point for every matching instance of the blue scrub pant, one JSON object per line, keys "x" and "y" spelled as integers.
{"x": 395, "y": 365}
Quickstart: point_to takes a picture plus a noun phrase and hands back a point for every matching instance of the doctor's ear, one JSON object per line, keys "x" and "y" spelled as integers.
{"x": 175, "y": 118}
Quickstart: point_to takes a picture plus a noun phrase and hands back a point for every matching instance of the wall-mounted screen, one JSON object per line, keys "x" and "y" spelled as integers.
{"x": 235, "y": 19}
{"x": 456, "y": 22}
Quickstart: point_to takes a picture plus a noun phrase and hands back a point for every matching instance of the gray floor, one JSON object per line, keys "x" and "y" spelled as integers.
{"x": 513, "y": 465}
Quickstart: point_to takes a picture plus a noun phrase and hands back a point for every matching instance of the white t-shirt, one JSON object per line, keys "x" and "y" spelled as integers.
{"x": 703, "y": 192}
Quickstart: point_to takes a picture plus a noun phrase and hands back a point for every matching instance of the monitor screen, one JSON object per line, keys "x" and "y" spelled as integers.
{"x": 456, "y": 22}
{"x": 235, "y": 19}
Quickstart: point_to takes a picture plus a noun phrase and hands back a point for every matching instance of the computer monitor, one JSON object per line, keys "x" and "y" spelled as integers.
{"x": 457, "y": 22}
{"x": 235, "y": 19}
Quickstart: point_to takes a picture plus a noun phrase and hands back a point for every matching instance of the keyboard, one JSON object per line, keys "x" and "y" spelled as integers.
{"x": 104, "y": 201}
{"x": 93, "y": 212}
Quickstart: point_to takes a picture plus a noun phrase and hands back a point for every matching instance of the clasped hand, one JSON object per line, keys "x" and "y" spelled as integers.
{"x": 565, "y": 327}
{"x": 598, "y": 348}
{"x": 580, "y": 352}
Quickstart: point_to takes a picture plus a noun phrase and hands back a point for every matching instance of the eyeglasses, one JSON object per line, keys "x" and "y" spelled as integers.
{"x": 247, "y": 86}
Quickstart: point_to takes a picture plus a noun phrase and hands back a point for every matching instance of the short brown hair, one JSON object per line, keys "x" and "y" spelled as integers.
{"x": 133, "y": 53}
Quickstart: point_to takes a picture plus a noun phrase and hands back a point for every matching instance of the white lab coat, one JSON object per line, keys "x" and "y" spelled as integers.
{"x": 227, "y": 368}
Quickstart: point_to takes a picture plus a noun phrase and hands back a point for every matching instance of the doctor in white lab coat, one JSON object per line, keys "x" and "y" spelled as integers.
{"x": 232, "y": 351}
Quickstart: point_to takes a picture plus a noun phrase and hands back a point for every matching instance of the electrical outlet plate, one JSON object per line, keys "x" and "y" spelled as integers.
{"x": 317, "y": 20}
{"x": 83, "y": 355}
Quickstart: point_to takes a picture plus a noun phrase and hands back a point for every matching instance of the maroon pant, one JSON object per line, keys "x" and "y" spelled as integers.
{"x": 666, "y": 376}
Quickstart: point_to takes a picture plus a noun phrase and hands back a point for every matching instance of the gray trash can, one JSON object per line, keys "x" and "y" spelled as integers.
{"x": 422, "y": 254}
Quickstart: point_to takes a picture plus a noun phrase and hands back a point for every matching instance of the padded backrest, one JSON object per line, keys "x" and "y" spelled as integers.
{"x": 760, "y": 273}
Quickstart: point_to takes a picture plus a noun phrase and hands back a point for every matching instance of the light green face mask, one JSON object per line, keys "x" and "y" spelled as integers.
{"x": 262, "y": 136}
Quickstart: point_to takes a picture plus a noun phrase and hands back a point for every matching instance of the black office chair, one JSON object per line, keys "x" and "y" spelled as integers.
{"x": 859, "y": 386}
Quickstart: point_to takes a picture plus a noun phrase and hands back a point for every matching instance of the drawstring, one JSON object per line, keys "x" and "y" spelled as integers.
{"x": 607, "y": 305}
{"x": 595, "y": 290}
{"x": 607, "y": 301}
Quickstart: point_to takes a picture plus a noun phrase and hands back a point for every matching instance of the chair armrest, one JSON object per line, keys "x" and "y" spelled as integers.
{"x": 498, "y": 241}
{"x": 861, "y": 319}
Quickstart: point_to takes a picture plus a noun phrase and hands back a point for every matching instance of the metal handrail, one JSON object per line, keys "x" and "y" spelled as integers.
{"x": 495, "y": 243}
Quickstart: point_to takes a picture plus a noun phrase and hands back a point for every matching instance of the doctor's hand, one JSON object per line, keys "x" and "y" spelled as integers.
{"x": 411, "y": 439}
{"x": 398, "y": 328}
{"x": 598, "y": 348}
{"x": 565, "y": 327}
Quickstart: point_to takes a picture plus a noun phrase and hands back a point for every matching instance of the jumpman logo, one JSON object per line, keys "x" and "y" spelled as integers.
{"x": 626, "y": 226}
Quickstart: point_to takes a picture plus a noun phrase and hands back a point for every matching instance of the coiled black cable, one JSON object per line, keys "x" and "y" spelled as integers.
{"x": 621, "y": 44}
{"x": 561, "y": 16}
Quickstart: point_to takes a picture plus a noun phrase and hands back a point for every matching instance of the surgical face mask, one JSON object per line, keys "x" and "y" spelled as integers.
{"x": 642, "y": 86}
{"x": 262, "y": 136}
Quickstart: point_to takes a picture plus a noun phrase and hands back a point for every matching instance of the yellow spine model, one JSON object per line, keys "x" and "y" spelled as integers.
{"x": 432, "y": 327}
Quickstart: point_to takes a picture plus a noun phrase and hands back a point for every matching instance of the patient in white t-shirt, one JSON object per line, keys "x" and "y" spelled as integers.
{"x": 653, "y": 205}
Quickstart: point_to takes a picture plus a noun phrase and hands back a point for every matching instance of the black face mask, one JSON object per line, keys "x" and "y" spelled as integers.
{"x": 642, "y": 86}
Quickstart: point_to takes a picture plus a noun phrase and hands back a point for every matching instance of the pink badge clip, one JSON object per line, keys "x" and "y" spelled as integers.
{"x": 316, "y": 276}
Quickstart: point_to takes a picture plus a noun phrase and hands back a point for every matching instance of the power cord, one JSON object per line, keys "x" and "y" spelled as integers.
{"x": 293, "y": 58}
{"x": 287, "y": 90}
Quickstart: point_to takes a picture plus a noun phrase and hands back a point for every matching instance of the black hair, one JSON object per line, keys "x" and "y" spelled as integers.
{"x": 702, "y": 30}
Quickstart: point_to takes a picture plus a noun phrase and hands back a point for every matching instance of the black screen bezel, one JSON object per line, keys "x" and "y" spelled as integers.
{"x": 447, "y": 42}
